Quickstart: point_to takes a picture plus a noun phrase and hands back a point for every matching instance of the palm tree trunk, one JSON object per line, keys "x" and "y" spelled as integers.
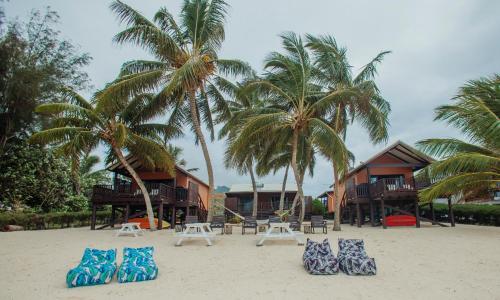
{"x": 296, "y": 173}
{"x": 147, "y": 200}
{"x": 254, "y": 187}
{"x": 201, "y": 139}
{"x": 75, "y": 176}
{"x": 338, "y": 200}
{"x": 283, "y": 189}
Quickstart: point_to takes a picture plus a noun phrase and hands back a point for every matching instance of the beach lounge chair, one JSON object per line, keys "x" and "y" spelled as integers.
{"x": 249, "y": 222}
{"x": 319, "y": 259}
{"x": 189, "y": 220}
{"x": 318, "y": 221}
{"x": 96, "y": 267}
{"x": 218, "y": 222}
{"x": 353, "y": 259}
{"x": 294, "y": 222}
{"x": 138, "y": 265}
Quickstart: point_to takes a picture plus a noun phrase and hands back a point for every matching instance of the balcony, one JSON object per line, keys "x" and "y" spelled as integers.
{"x": 123, "y": 194}
{"x": 389, "y": 188}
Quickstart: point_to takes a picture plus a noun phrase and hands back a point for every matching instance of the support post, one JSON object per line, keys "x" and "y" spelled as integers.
{"x": 127, "y": 212}
{"x": 174, "y": 216}
{"x": 433, "y": 215}
{"x": 382, "y": 209}
{"x": 351, "y": 215}
{"x": 93, "y": 219}
{"x": 450, "y": 213}
{"x": 160, "y": 216}
{"x": 417, "y": 214}
{"x": 372, "y": 213}
{"x": 358, "y": 215}
{"x": 113, "y": 216}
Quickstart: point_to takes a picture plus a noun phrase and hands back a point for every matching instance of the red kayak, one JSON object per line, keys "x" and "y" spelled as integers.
{"x": 402, "y": 220}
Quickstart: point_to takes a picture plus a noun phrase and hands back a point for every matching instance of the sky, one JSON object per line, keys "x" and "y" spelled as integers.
{"x": 436, "y": 47}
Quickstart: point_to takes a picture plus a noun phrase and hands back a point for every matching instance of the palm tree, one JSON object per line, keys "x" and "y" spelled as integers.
{"x": 362, "y": 101}
{"x": 115, "y": 122}
{"x": 296, "y": 115}
{"x": 473, "y": 166}
{"x": 176, "y": 153}
{"x": 88, "y": 177}
{"x": 185, "y": 66}
{"x": 241, "y": 104}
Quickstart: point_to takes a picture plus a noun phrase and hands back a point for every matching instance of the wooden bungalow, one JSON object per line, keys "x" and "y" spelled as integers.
{"x": 239, "y": 198}
{"x": 171, "y": 196}
{"x": 385, "y": 182}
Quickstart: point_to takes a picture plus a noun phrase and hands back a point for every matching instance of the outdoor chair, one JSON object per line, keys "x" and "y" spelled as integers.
{"x": 189, "y": 220}
{"x": 218, "y": 222}
{"x": 249, "y": 222}
{"x": 138, "y": 265}
{"x": 96, "y": 267}
{"x": 318, "y": 222}
{"x": 294, "y": 223}
{"x": 319, "y": 259}
{"x": 353, "y": 259}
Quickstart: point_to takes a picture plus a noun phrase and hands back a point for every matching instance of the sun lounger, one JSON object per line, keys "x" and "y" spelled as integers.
{"x": 319, "y": 259}
{"x": 353, "y": 259}
{"x": 138, "y": 265}
{"x": 96, "y": 267}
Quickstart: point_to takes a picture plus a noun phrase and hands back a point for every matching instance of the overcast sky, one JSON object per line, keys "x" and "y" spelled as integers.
{"x": 436, "y": 45}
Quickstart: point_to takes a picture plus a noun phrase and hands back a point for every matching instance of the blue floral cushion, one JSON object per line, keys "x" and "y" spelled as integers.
{"x": 353, "y": 259}
{"x": 138, "y": 265}
{"x": 96, "y": 267}
{"x": 319, "y": 259}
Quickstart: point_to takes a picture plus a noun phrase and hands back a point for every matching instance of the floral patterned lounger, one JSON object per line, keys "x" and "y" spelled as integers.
{"x": 138, "y": 265}
{"x": 353, "y": 259}
{"x": 97, "y": 267}
{"x": 319, "y": 258}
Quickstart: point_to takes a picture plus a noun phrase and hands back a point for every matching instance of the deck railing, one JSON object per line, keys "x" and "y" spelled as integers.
{"x": 384, "y": 186}
{"x": 123, "y": 192}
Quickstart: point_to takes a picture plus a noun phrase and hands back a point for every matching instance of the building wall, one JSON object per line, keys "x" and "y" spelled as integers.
{"x": 181, "y": 180}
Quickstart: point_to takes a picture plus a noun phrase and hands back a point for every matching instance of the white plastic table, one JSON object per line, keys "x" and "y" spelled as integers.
{"x": 281, "y": 231}
{"x": 130, "y": 228}
{"x": 196, "y": 230}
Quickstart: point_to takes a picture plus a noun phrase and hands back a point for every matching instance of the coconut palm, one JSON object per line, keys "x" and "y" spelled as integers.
{"x": 363, "y": 102}
{"x": 184, "y": 68}
{"x": 117, "y": 123}
{"x": 467, "y": 167}
{"x": 176, "y": 153}
{"x": 243, "y": 102}
{"x": 296, "y": 115}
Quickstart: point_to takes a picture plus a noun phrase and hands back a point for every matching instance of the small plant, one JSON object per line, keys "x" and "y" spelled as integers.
{"x": 318, "y": 208}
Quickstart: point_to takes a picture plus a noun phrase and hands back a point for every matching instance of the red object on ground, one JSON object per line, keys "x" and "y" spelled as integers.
{"x": 144, "y": 222}
{"x": 400, "y": 220}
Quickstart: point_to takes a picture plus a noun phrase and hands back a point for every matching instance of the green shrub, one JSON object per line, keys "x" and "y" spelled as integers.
{"x": 318, "y": 208}
{"x": 481, "y": 214}
{"x": 52, "y": 220}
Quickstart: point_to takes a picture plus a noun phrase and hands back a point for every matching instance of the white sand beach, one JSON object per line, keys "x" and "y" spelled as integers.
{"x": 426, "y": 263}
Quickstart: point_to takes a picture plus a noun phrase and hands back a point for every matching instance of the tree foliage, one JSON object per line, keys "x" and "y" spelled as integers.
{"x": 35, "y": 63}
{"x": 467, "y": 167}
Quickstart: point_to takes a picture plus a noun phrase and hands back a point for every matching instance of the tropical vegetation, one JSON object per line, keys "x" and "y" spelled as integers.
{"x": 467, "y": 168}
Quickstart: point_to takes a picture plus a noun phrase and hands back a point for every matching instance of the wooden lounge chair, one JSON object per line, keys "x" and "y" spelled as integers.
{"x": 318, "y": 221}
{"x": 249, "y": 222}
{"x": 294, "y": 223}
{"x": 218, "y": 222}
{"x": 190, "y": 220}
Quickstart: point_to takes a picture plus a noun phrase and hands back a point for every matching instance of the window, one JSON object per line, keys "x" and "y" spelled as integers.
{"x": 246, "y": 205}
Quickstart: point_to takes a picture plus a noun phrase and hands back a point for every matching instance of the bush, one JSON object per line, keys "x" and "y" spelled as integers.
{"x": 318, "y": 208}
{"x": 481, "y": 214}
{"x": 52, "y": 220}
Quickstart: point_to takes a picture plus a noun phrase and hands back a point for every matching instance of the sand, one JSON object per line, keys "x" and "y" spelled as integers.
{"x": 426, "y": 263}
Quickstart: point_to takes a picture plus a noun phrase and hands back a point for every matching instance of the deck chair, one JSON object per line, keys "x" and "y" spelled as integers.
{"x": 353, "y": 259}
{"x": 218, "y": 222}
{"x": 319, "y": 259}
{"x": 249, "y": 222}
{"x": 189, "y": 220}
{"x": 138, "y": 265}
{"x": 318, "y": 222}
{"x": 96, "y": 267}
{"x": 294, "y": 223}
